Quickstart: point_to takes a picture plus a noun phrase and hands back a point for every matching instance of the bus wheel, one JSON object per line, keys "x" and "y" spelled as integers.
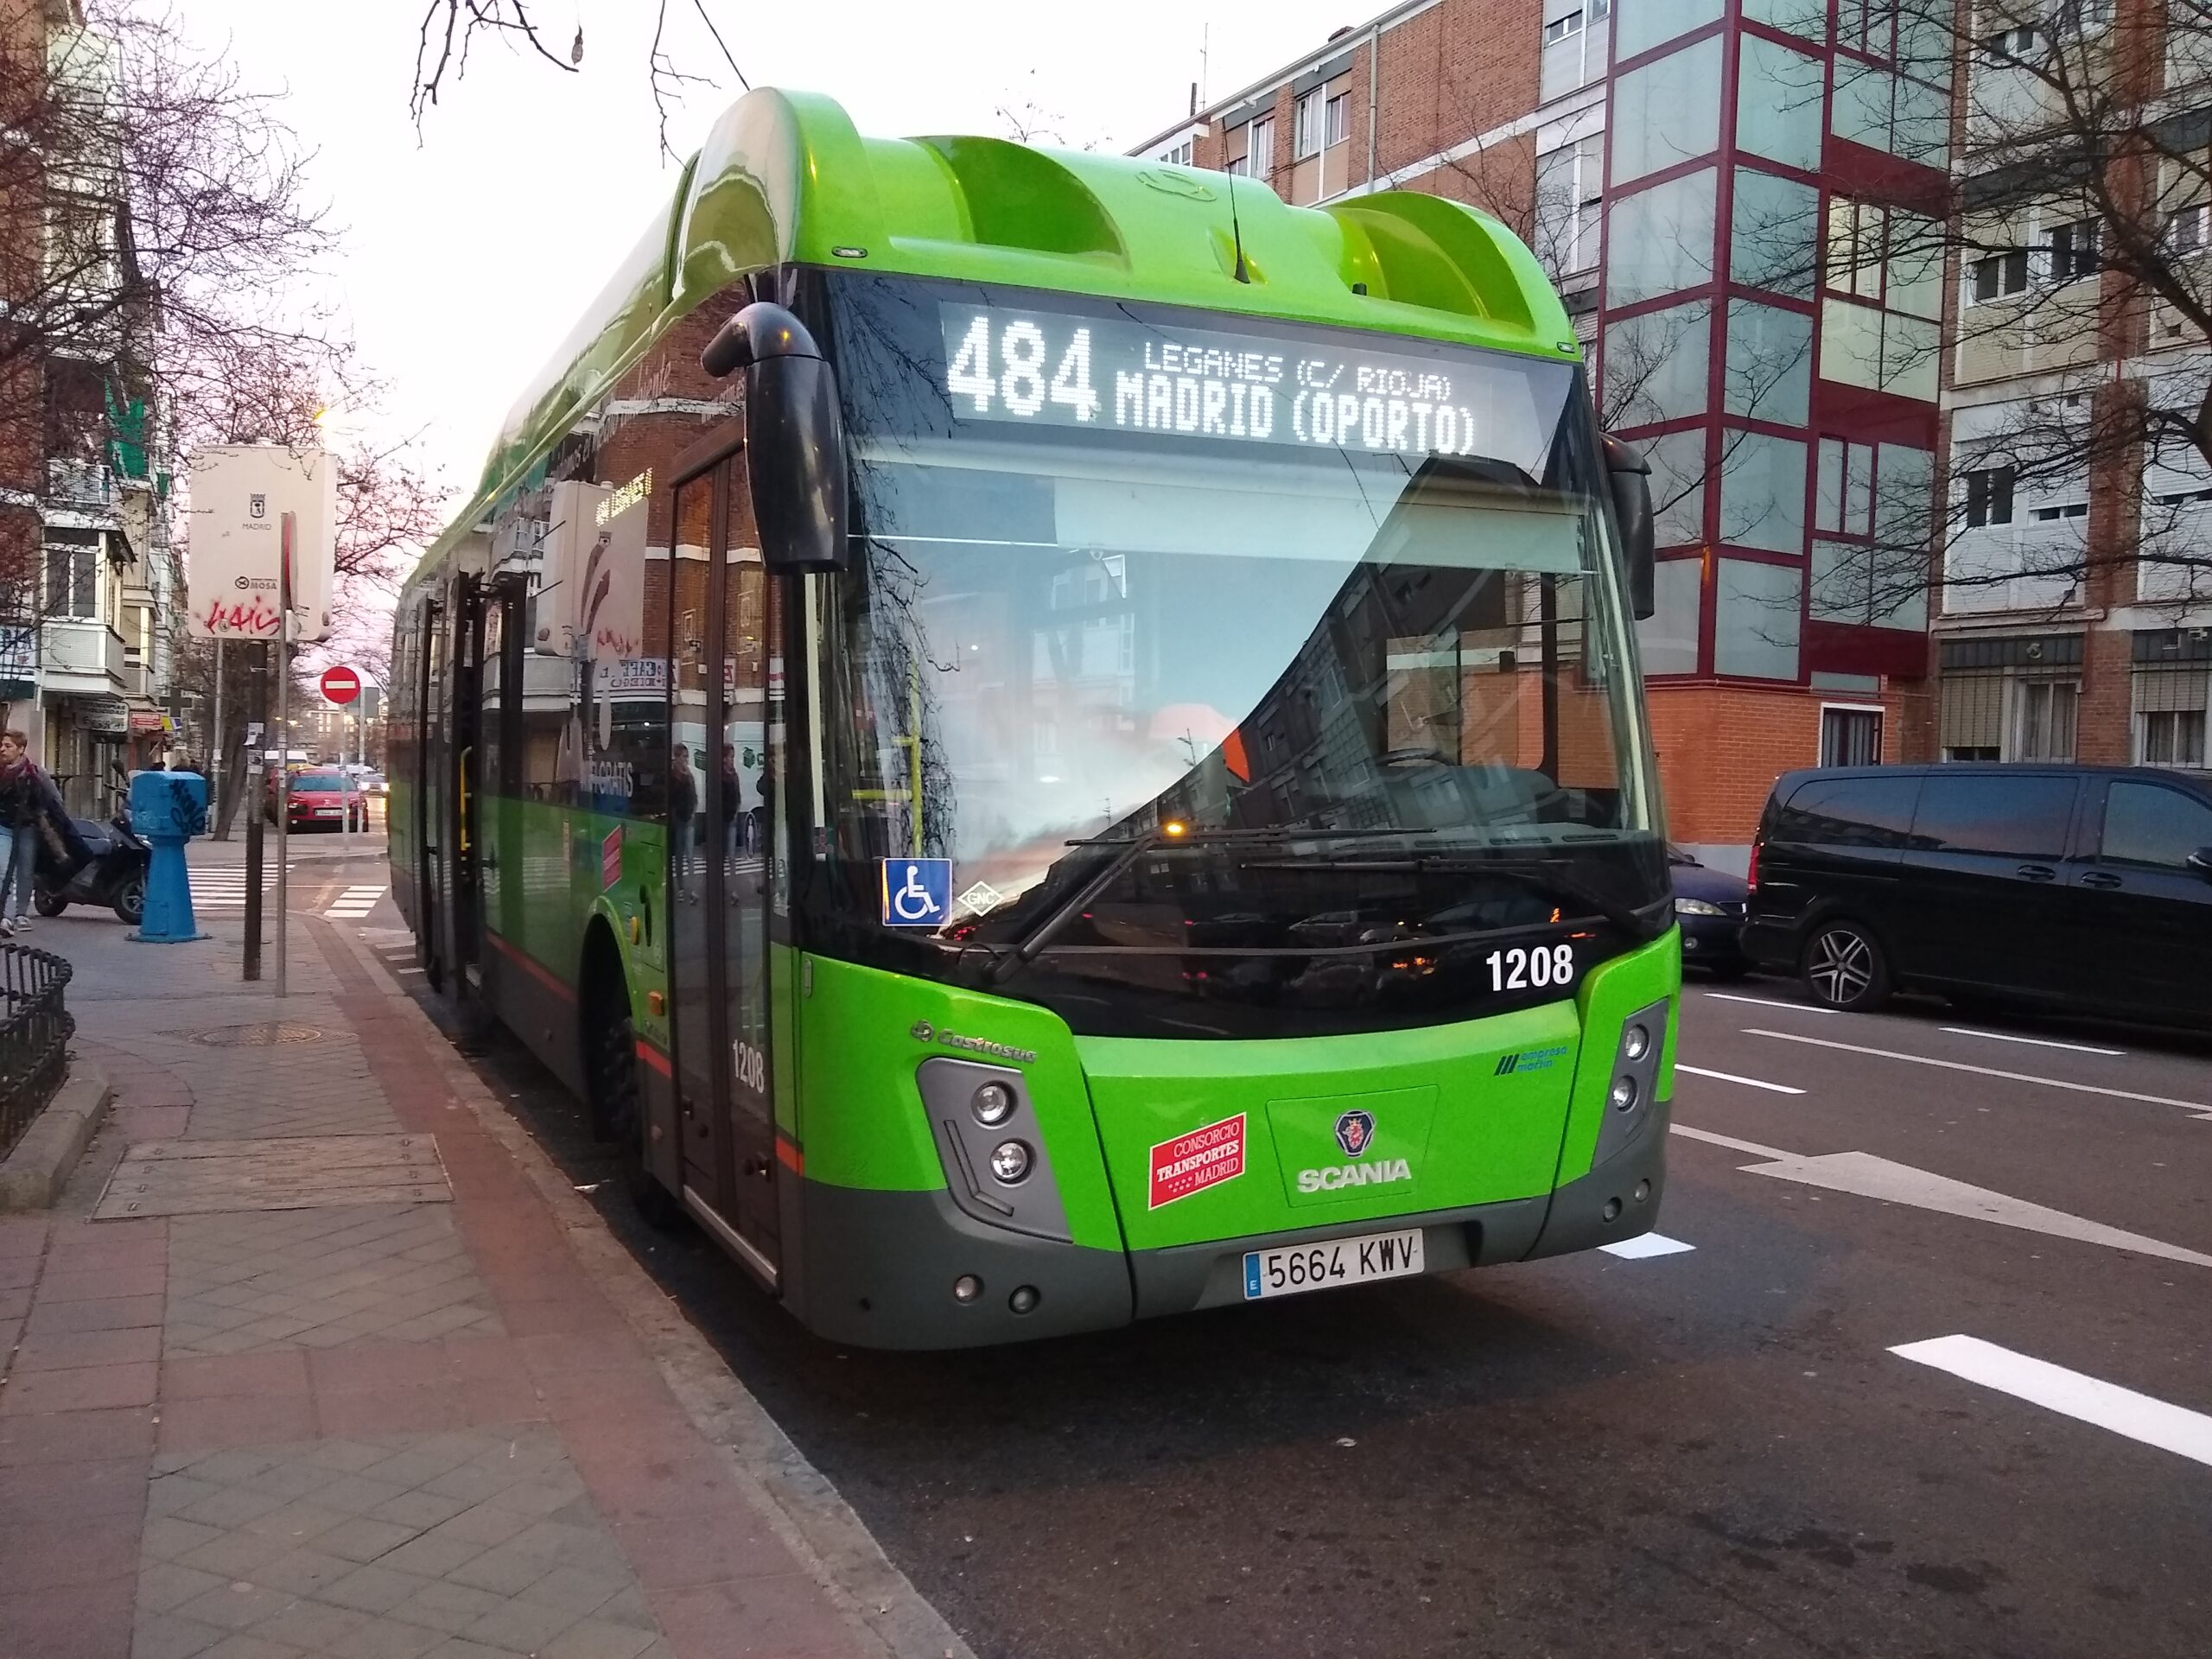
{"x": 618, "y": 1109}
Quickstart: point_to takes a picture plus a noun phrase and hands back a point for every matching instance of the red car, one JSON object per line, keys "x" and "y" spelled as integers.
{"x": 322, "y": 800}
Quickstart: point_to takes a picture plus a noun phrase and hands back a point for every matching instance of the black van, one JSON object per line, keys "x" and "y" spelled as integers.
{"x": 2085, "y": 889}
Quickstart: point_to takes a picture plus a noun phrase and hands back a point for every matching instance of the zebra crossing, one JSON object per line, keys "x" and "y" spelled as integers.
{"x": 222, "y": 892}
{"x": 354, "y": 903}
{"x": 226, "y": 889}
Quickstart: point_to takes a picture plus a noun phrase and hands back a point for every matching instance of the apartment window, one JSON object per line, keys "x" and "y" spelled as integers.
{"x": 2043, "y": 719}
{"x": 1238, "y": 166}
{"x": 1574, "y": 46}
{"x": 1570, "y": 197}
{"x": 2188, "y": 230}
{"x": 1336, "y": 120}
{"x": 1306, "y": 127}
{"x": 2076, "y": 251}
{"x": 2051, "y": 515}
{"x": 73, "y": 575}
{"x": 2170, "y": 700}
{"x": 1885, "y": 256}
{"x": 1259, "y": 149}
{"x": 1851, "y": 737}
{"x": 1844, "y": 502}
{"x": 2004, "y": 47}
{"x": 1179, "y": 155}
{"x": 1868, "y": 26}
{"x": 2170, "y": 737}
{"x": 1874, "y": 523}
{"x": 1989, "y": 497}
{"x": 1997, "y": 275}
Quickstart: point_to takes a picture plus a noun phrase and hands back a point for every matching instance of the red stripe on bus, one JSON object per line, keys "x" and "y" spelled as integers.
{"x": 653, "y": 1057}
{"x": 537, "y": 970}
{"x": 789, "y": 1156}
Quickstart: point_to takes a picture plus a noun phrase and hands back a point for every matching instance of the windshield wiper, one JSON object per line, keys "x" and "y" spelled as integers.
{"x": 1027, "y": 948}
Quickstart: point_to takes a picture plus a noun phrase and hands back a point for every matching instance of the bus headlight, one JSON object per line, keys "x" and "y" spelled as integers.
{"x": 1622, "y": 1097}
{"x": 993, "y": 1104}
{"x": 1010, "y": 1163}
{"x": 1636, "y": 1042}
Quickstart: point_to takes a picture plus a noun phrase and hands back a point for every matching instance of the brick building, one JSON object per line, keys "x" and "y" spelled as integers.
{"x": 1722, "y": 189}
{"x": 88, "y": 580}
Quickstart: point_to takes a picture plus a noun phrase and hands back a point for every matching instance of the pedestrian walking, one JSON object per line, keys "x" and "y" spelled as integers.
{"x": 23, "y": 790}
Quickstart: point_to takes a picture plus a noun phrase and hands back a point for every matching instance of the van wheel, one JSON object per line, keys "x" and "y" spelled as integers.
{"x": 618, "y": 1106}
{"x": 1844, "y": 968}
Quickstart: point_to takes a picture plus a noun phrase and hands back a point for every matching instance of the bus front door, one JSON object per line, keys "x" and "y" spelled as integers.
{"x": 463, "y": 896}
{"x": 429, "y": 791}
{"x": 718, "y": 900}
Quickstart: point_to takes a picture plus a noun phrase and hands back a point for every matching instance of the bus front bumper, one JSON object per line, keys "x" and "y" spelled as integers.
{"x": 886, "y": 1269}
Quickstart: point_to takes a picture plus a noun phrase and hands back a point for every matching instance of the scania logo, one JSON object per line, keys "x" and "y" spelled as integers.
{"x": 1356, "y": 1132}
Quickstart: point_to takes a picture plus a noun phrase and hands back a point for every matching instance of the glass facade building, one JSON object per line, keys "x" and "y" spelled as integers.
{"x": 1768, "y": 322}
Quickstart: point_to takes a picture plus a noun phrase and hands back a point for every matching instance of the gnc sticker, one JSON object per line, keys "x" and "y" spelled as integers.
{"x": 1204, "y": 1158}
{"x": 610, "y": 857}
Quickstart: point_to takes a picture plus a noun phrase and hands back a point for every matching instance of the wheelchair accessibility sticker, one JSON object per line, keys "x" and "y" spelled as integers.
{"x": 917, "y": 892}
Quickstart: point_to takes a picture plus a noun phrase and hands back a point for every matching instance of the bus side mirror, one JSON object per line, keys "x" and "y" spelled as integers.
{"x": 794, "y": 436}
{"x": 1631, "y": 479}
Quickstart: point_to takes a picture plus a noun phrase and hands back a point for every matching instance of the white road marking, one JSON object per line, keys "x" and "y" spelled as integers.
{"x": 1730, "y": 1077}
{"x": 2200, "y": 1108}
{"x": 354, "y": 903}
{"x": 1870, "y": 1176}
{"x": 1769, "y": 1002}
{"x": 1729, "y": 1141}
{"x": 1647, "y": 1245}
{"x": 2038, "y": 1042}
{"x": 2106, "y": 1405}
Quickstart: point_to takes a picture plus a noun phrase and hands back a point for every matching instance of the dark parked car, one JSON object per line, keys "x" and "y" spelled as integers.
{"x": 1709, "y": 908}
{"x": 2081, "y": 889}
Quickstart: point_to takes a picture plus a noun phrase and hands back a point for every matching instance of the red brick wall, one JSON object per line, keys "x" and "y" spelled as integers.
{"x": 1458, "y": 69}
{"x": 1721, "y": 746}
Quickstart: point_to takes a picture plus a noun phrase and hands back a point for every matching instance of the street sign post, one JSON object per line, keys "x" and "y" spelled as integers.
{"x": 242, "y": 497}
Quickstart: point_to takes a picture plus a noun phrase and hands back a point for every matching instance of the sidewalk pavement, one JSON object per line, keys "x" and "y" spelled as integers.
{"x": 275, "y": 1385}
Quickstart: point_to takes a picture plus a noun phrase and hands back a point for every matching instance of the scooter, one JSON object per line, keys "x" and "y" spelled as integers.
{"x": 109, "y": 869}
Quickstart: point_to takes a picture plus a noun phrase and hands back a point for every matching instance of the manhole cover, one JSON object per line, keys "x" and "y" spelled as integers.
{"x": 263, "y": 1033}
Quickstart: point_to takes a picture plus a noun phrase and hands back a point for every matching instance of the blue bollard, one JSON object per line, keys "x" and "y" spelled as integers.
{"x": 168, "y": 809}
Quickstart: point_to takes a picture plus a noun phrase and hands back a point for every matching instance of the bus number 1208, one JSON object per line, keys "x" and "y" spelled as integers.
{"x": 1517, "y": 970}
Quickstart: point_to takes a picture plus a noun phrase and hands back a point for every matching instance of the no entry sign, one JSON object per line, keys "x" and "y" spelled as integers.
{"x": 341, "y": 684}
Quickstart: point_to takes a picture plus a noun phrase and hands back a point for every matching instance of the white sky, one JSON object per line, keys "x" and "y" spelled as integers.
{"x": 468, "y": 255}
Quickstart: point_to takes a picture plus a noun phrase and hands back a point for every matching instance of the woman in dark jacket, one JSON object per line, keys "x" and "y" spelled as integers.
{"x": 23, "y": 790}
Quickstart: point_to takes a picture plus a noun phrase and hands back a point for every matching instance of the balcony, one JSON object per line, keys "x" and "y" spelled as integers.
{"x": 83, "y": 657}
{"x": 82, "y": 494}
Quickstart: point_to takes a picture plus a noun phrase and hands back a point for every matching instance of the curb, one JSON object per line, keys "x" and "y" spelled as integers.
{"x": 33, "y": 1174}
{"x": 794, "y": 1497}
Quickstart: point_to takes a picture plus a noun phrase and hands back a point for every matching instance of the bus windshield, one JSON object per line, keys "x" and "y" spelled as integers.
{"x": 1280, "y": 639}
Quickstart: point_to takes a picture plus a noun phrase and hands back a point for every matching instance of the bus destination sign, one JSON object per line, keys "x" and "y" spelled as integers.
{"x": 1037, "y": 368}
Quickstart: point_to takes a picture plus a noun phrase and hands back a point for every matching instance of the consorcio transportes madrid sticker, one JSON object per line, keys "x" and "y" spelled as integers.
{"x": 1204, "y": 1158}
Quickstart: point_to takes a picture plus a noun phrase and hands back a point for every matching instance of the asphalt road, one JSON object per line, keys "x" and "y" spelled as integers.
{"x": 1715, "y": 1450}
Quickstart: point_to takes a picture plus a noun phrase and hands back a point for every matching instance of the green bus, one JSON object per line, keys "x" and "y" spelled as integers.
{"x": 1047, "y": 739}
